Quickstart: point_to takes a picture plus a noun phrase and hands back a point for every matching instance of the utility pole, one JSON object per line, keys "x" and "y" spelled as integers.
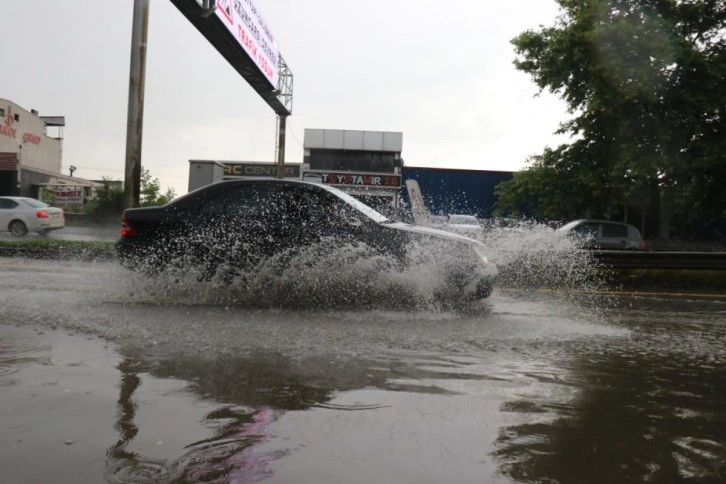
{"x": 281, "y": 122}
{"x": 135, "y": 118}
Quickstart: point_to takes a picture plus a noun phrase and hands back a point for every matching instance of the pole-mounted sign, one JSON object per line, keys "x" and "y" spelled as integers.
{"x": 238, "y": 31}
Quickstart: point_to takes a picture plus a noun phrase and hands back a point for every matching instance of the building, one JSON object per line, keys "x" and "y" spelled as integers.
{"x": 31, "y": 153}
{"x": 365, "y": 164}
{"x": 368, "y": 165}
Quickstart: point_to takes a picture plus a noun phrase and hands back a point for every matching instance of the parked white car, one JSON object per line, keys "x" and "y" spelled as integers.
{"x": 20, "y": 215}
{"x": 604, "y": 234}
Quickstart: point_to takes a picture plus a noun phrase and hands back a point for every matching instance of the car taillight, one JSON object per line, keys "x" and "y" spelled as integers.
{"x": 126, "y": 229}
{"x": 644, "y": 244}
{"x": 41, "y": 214}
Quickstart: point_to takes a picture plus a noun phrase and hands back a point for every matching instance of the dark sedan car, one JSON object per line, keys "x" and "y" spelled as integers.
{"x": 240, "y": 222}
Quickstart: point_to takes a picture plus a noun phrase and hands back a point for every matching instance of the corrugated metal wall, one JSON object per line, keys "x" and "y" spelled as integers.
{"x": 448, "y": 191}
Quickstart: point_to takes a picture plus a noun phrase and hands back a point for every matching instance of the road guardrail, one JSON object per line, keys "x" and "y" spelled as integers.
{"x": 622, "y": 259}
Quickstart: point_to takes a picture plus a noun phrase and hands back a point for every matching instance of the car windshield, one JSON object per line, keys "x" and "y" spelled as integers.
{"x": 35, "y": 203}
{"x": 568, "y": 226}
{"x": 360, "y": 206}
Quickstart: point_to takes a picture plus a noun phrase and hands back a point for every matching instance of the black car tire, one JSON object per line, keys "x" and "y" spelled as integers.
{"x": 18, "y": 228}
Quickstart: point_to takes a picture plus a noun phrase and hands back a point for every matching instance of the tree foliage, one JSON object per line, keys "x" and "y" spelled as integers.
{"x": 645, "y": 83}
{"x": 150, "y": 191}
{"x": 107, "y": 200}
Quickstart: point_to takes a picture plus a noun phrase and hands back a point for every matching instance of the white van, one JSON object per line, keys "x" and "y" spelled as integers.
{"x": 604, "y": 234}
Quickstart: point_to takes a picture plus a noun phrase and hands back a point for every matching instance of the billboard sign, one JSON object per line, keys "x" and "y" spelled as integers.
{"x": 245, "y": 23}
{"x": 62, "y": 195}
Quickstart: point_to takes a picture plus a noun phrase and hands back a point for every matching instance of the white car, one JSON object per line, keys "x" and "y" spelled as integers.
{"x": 604, "y": 234}
{"x": 20, "y": 215}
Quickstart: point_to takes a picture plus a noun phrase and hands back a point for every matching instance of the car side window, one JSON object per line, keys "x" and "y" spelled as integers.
{"x": 614, "y": 231}
{"x": 586, "y": 230}
{"x": 7, "y": 204}
{"x": 247, "y": 201}
{"x": 215, "y": 206}
{"x": 240, "y": 201}
{"x": 308, "y": 206}
{"x": 261, "y": 202}
{"x": 273, "y": 203}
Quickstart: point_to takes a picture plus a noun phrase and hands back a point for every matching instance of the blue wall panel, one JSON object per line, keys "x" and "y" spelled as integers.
{"x": 448, "y": 191}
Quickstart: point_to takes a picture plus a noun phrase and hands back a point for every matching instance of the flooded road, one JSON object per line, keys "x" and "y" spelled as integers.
{"x": 107, "y": 376}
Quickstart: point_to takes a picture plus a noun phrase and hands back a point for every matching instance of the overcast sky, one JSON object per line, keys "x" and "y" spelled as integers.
{"x": 440, "y": 72}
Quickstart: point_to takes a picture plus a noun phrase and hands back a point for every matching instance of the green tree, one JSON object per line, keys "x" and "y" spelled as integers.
{"x": 107, "y": 200}
{"x": 150, "y": 190}
{"x": 644, "y": 81}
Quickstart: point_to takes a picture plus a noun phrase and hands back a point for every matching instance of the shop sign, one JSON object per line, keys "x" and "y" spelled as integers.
{"x": 361, "y": 179}
{"x": 234, "y": 170}
{"x": 62, "y": 195}
{"x": 8, "y": 129}
{"x": 31, "y": 138}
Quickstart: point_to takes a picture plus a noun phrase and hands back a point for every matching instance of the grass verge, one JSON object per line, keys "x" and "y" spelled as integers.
{"x": 58, "y": 249}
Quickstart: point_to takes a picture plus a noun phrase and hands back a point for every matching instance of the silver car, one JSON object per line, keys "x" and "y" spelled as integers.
{"x": 604, "y": 234}
{"x": 20, "y": 215}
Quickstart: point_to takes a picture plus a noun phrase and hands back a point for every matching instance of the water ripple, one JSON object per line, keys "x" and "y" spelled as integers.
{"x": 15, "y": 352}
{"x": 138, "y": 472}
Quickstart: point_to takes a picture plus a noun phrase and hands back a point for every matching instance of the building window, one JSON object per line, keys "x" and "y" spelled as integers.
{"x": 17, "y": 117}
{"x": 2, "y": 112}
{"x": 348, "y": 160}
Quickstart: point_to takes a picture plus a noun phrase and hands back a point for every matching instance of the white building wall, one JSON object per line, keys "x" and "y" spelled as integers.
{"x": 341, "y": 139}
{"x": 24, "y": 133}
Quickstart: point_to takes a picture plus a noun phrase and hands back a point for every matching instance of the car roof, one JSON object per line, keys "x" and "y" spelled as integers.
{"x": 265, "y": 180}
{"x": 251, "y": 180}
{"x": 598, "y": 221}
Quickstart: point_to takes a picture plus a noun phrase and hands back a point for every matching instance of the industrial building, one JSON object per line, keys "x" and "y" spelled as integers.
{"x": 31, "y": 153}
{"x": 369, "y": 166}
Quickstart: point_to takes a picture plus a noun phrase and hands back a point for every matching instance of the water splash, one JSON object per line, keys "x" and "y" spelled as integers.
{"x": 533, "y": 255}
{"x": 355, "y": 276}
{"x": 319, "y": 276}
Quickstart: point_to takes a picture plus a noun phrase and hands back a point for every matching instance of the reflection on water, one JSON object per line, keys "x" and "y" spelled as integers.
{"x": 230, "y": 455}
{"x": 533, "y": 388}
{"x": 644, "y": 405}
{"x": 649, "y": 409}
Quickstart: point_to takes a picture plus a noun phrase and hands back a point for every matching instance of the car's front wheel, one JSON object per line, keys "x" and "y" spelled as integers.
{"x": 18, "y": 228}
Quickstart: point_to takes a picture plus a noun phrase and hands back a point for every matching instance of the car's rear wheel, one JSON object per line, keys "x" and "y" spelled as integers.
{"x": 18, "y": 228}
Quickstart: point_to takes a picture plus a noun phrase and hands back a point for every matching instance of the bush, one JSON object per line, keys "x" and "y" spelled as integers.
{"x": 107, "y": 201}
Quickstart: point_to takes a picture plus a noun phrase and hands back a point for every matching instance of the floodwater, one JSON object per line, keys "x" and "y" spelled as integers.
{"x": 107, "y": 376}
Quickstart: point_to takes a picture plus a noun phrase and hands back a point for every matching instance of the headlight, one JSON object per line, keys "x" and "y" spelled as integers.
{"x": 480, "y": 251}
